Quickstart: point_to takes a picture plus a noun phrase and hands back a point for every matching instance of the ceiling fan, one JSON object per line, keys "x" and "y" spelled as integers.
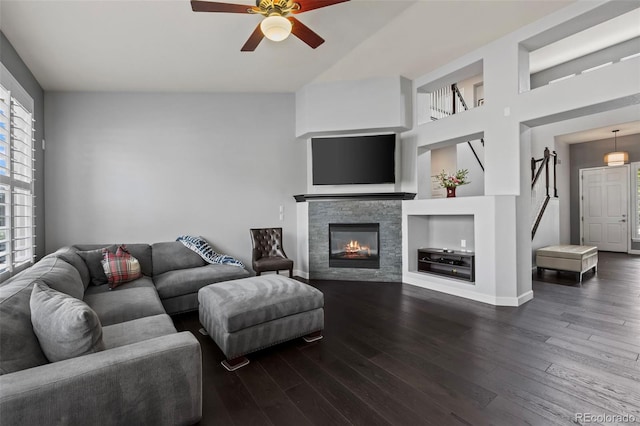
{"x": 276, "y": 25}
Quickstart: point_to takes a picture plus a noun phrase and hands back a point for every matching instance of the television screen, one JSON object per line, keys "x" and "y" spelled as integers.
{"x": 353, "y": 160}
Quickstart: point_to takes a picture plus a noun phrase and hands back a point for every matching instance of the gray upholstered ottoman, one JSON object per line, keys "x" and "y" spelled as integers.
{"x": 249, "y": 314}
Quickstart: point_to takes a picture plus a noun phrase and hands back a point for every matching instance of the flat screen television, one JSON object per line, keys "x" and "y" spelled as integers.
{"x": 354, "y": 160}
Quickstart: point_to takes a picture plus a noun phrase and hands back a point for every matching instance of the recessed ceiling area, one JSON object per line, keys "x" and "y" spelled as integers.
{"x": 162, "y": 45}
{"x": 621, "y": 28}
{"x": 606, "y": 132}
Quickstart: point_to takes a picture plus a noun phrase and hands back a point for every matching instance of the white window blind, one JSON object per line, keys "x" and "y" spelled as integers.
{"x": 17, "y": 223}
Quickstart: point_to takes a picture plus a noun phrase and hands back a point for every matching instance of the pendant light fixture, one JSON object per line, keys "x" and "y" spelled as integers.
{"x": 616, "y": 158}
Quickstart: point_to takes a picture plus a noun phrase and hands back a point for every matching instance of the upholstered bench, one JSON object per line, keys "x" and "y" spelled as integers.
{"x": 571, "y": 258}
{"x": 246, "y": 315}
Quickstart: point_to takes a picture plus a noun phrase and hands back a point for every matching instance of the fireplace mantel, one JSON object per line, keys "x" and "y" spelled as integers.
{"x": 356, "y": 196}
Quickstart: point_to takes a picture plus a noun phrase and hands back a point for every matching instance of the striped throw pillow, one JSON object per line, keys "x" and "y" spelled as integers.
{"x": 120, "y": 267}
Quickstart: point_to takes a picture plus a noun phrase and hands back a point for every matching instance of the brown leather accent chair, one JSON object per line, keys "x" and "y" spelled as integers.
{"x": 268, "y": 254}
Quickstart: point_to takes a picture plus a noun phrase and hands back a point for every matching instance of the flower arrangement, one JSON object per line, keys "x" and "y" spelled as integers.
{"x": 453, "y": 181}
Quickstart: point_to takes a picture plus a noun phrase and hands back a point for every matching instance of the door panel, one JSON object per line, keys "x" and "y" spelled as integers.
{"x": 604, "y": 206}
{"x": 595, "y": 233}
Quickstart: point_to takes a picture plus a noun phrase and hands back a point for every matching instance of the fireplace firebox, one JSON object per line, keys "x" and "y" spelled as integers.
{"x": 354, "y": 245}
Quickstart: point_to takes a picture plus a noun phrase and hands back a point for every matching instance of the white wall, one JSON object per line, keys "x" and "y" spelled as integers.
{"x": 548, "y": 135}
{"x": 134, "y": 167}
{"x": 505, "y": 120}
{"x": 372, "y": 105}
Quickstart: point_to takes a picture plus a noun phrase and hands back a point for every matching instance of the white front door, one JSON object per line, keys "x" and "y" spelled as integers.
{"x": 605, "y": 197}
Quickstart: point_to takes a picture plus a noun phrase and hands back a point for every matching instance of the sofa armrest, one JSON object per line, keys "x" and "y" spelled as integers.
{"x": 154, "y": 382}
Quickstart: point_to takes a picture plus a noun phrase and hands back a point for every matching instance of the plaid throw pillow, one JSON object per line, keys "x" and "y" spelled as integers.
{"x": 120, "y": 267}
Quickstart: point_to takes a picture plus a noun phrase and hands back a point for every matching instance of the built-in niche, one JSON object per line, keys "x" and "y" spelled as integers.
{"x": 452, "y": 232}
{"x": 456, "y": 155}
{"x": 587, "y": 43}
{"x": 452, "y": 94}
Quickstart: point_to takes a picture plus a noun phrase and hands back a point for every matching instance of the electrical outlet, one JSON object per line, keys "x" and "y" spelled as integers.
{"x": 281, "y": 213}
{"x": 463, "y": 243}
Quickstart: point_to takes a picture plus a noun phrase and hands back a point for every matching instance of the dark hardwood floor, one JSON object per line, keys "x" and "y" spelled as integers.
{"x": 398, "y": 354}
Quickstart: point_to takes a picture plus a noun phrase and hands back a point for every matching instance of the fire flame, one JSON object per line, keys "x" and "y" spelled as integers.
{"x": 354, "y": 247}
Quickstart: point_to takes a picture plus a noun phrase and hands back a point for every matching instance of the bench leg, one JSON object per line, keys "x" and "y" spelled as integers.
{"x": 313, "y": 337}
{"x": 234, "y": 364}
{"x": 290, "y": 272}
{"x": 539, "y": 271}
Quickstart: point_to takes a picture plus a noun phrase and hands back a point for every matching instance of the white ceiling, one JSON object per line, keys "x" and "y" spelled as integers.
{"x": 161, "y": 45}
{"x": 589, "y": 135}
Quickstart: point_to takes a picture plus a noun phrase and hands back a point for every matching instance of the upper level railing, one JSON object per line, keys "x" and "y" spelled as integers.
{"x": 448, "y": 101}
{"x": 540, "y": 188}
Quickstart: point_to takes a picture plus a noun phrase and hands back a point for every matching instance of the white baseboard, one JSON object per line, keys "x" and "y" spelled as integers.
{"x": 524, "y": 298}
{"x": 631, "y": 251}
{"x": 469, "y": 294}
{"x": 301, "y": 274}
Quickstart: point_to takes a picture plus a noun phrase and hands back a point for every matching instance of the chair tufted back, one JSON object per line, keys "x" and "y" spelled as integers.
{"x": 267, "y": 242}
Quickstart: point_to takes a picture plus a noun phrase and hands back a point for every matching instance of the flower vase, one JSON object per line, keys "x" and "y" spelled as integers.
{"x": 451, "y": 192}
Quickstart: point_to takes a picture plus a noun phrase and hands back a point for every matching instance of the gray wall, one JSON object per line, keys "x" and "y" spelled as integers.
{"x": 134, "y": 167}
{"x": 12, "y": 61}
{"x": 591, "y": 154}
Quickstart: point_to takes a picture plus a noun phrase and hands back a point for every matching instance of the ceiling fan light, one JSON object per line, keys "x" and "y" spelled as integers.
{"x": 275, "y": 27}
{"x": 616, "y": 158}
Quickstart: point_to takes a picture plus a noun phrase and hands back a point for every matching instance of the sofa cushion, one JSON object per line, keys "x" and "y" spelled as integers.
{"x": 143, "y": 253}
{"x": 137, "y": 330}
{"x": 57, "y": 274}
{"x": 140, "y": 251}
{"x": 173, "y": 255}
{"x": 65, "y": 326}
{"x": 19, "y": 346}
{"x": 185, "y": 281}
{"x": 136, "y": 299}
{"x": 120, "y": 267}
{"x": 93, "y": 260}
{"x": 70, "y": 256}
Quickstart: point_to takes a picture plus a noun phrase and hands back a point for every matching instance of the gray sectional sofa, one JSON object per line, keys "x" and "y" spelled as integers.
{"x": 148, "y": 373}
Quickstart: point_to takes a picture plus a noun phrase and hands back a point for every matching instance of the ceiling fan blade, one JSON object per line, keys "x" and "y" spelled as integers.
{"x": 254, "y": 40}
{"x": 306, "y": 5}
{"x": 208, "y": 6}
{"x": 305, "y": 33}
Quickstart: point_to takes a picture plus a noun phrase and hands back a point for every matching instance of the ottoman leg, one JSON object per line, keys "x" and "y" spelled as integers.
{"x": 234, "y": 364}
{"x": 315, "y": 336}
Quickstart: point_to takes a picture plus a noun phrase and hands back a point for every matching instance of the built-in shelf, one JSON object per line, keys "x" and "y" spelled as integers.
{"x": 301, "y": 198}
{"x": 449, "y": 263}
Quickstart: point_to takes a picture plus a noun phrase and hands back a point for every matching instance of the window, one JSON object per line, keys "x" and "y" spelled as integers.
{"x": 635, "y": 202}
{"x": 16, "y": 185}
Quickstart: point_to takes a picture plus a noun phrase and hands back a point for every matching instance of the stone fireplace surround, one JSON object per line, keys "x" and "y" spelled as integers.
{"x": 388, "y": 213}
